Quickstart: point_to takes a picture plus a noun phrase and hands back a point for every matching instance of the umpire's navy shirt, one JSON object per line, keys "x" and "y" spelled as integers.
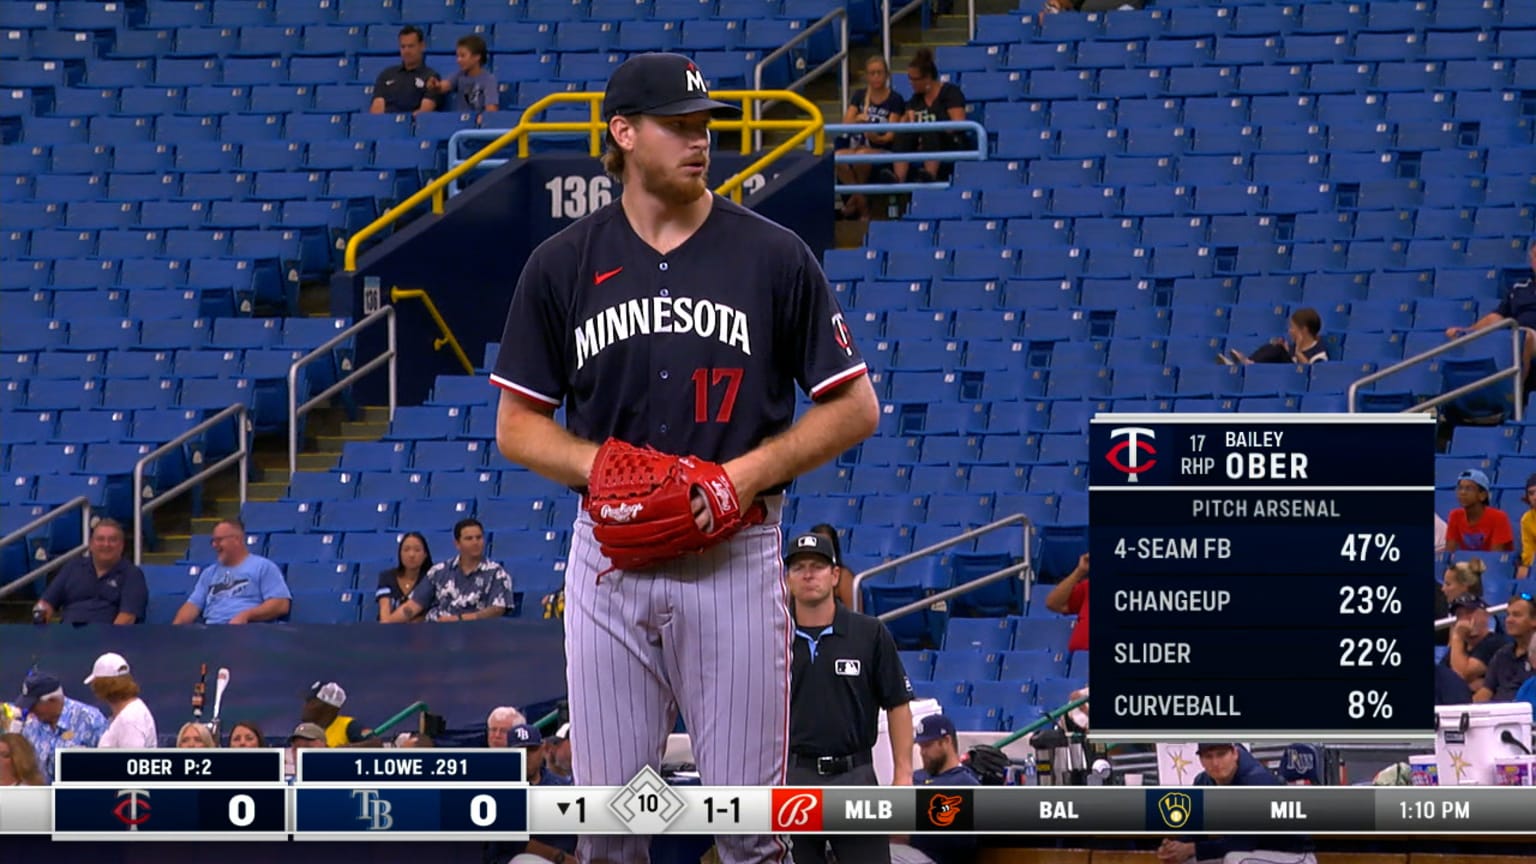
{"x": 841, "y": 678}
{"x": 84, "y": 598}
{"x": 698, "y": 351}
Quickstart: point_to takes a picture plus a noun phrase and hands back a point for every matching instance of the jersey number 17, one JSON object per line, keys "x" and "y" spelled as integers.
{"x": 706, "y": 379}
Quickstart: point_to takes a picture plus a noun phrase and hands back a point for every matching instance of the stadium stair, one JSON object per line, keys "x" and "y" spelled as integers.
{"x": 330, "y": 431}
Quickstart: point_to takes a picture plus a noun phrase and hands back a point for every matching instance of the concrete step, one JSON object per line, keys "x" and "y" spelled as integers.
{"x": 267, "y": 490}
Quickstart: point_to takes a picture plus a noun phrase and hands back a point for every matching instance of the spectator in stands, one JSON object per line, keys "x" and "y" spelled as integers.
{"x": 18, "y": 762}
{"x": 403, "y": 89}
{"x": 322, "y": 707}
{"x": 1463, "y": 577}
{"x": 132, "y": 726}
{"x": 500, "y": 724}
{"x": 1511, "y": 667}
{"x": 466, "y": 588}
{"x": 55, "y": 721}
{"x": 246, "y": 734}
{"x": 1477, "y": 526}
{"x": 1519, "y": 304}
{"x": 845, "y": 576}
{"x": 1070, "y": 597}
{"x": 1300, "y": 344}
{"x": 876, "y": 103}
{"x": 100, "y": 587}
{"x": 544, "y": 847}
{"x": 1527, "y": 529}
{"x": 413, "y": 558}
{"x": 938, "y": 744}
{"x": 932, "y": 100}
{"x": 239, "y": 587}
{"x": 1473, "y": 641}
{"x": 1051, "y": 7}
{"x": 475, "y": 87}
{"x": 194, "y": 735}
{"x": 1229, "y": 764}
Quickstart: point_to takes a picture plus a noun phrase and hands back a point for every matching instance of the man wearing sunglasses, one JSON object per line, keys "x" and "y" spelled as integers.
{"x": 1511, "y": 666}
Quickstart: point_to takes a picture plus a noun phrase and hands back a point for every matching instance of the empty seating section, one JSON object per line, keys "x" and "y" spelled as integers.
{"x": 1165, "y": 184}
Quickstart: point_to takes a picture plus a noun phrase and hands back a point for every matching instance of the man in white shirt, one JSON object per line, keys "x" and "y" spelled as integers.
{"x": 132, "y": 726}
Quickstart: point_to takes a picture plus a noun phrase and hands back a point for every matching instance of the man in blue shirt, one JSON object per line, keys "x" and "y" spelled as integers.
{"x": 938, "y": 743}
{"x": 99, "y": 587}
{"x": 54, "y": 721}
{"x": 239, "y": 588}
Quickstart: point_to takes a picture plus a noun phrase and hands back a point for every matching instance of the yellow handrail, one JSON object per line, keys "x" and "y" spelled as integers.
{"x": 396, "y": 294}
{"x": 811, "y": 125}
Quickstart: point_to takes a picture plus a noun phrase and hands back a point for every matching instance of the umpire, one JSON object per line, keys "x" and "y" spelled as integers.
{"x": 845, "y": 670}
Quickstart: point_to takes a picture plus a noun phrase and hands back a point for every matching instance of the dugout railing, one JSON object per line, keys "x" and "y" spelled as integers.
{"x": 297, "y": 409}
{"x": 977, "y": 153}
{"x": 23, "y": 535}
{"x": 146, "y": 502}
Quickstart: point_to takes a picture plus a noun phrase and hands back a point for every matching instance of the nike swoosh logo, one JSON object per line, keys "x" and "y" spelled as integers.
{"x": 600, "y": 278}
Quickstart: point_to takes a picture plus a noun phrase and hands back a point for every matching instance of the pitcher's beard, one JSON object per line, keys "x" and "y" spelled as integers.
{"x": 674, "y": 191}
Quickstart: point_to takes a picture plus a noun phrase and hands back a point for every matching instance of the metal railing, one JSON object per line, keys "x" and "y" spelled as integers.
{"x": 396, "y": 294}
{"x": 1025, "y": 567}
{"x": 1515, "y": 372}
{"x": 977, "y": 153}
{"x": 838, "y": 58}
{"x": 242, "y": 455}
{"x": 1449, "y": 621}
{"x": 296, "y": 410}
{"x": 595, "y": 128}
{"x": 20, "y": 534}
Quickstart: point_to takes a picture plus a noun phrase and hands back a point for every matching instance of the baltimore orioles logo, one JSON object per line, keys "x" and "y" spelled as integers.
{"x": 944, "y": 809}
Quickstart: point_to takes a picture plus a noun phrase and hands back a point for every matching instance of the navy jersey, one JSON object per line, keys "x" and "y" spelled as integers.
{"x": 696, "y": 352}
{"x": 1519, "y": 303}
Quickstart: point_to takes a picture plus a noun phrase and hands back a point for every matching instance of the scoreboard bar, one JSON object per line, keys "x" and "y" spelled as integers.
{"x": 467, "y": 813}
{"x": 139, "y": 767}
{"x": 1247, "y": 564}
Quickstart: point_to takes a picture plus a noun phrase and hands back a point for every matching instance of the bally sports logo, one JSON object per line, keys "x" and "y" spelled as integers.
{"x": 1127, "y": 456}
{"x": 797, "y": 810}
{"x": 622, "y": 513}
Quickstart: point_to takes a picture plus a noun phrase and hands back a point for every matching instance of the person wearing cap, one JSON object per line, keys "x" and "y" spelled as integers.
{"x": 1512, "y": 665}
{"x": 845, "y": 670}
{"x": 100, "y": 587}
{"x": 237, "y": 588}
{"x": 542, "y": 847}
{"x": 1477, "y": 526}
{"x": 308, "y": 735}
{"x": 1230, "y": 764}
{"x": 500, "y": 723}
{"x": 1527, "y": 529}
{"x": 696, "y": 322}
{"x": 845, "y": 577}
{"x": 557, "y": 757}
{"x": 132, "y": 726}
{"x": 1473, "y": 642}
{"x": 54, "y": 721}
{"x": 938, "y": 745}
{"x": 322, "y": 707}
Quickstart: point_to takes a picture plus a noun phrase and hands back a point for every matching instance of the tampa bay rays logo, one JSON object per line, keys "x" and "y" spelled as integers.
{"x": 695, "y": 80}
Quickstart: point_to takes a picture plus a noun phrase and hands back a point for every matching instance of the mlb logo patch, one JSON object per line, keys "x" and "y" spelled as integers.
{"x": 848, "y": 668}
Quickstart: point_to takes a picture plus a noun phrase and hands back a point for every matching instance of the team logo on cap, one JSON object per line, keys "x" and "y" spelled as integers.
{"x": 694, "y": 79}
{"x": 809, "y": 541}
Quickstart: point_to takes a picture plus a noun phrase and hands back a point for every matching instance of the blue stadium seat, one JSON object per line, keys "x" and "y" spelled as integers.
{"x": 1033, "y": 665}
{"x": 362, "y": 515}
{"x": 374, "y": 456}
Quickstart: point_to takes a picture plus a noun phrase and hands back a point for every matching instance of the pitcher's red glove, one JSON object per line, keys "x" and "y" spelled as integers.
{"x": 639, "y": 500}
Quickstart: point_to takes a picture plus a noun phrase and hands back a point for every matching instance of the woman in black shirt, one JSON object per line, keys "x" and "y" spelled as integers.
{"x": 932, "y": 100}
{"x": 396, "y": 584}
{"x": 876, "y": 103}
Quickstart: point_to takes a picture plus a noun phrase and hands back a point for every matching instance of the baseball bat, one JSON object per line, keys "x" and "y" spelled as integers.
{"x": 221, "y": 682}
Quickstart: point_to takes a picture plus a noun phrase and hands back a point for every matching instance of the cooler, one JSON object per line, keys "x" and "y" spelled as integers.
{"x": 1468, "y": 739}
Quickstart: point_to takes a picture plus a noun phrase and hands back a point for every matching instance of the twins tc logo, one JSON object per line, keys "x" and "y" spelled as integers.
{"x": 133, "y": 809}
{"x": 1126, "y": 457}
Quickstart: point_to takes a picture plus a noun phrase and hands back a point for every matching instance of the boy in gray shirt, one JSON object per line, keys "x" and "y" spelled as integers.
{"x": 476, "y": 88}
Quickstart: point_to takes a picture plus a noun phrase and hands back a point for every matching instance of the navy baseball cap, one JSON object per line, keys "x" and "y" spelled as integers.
{"x": 37, "y": 687}
{"x": 1214, "y": 745}
{"x": 934, "y": 727}
{"x": 811, "y": 544}
{"x": 526, "y": 735}
{"x": 661, "y": 84}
